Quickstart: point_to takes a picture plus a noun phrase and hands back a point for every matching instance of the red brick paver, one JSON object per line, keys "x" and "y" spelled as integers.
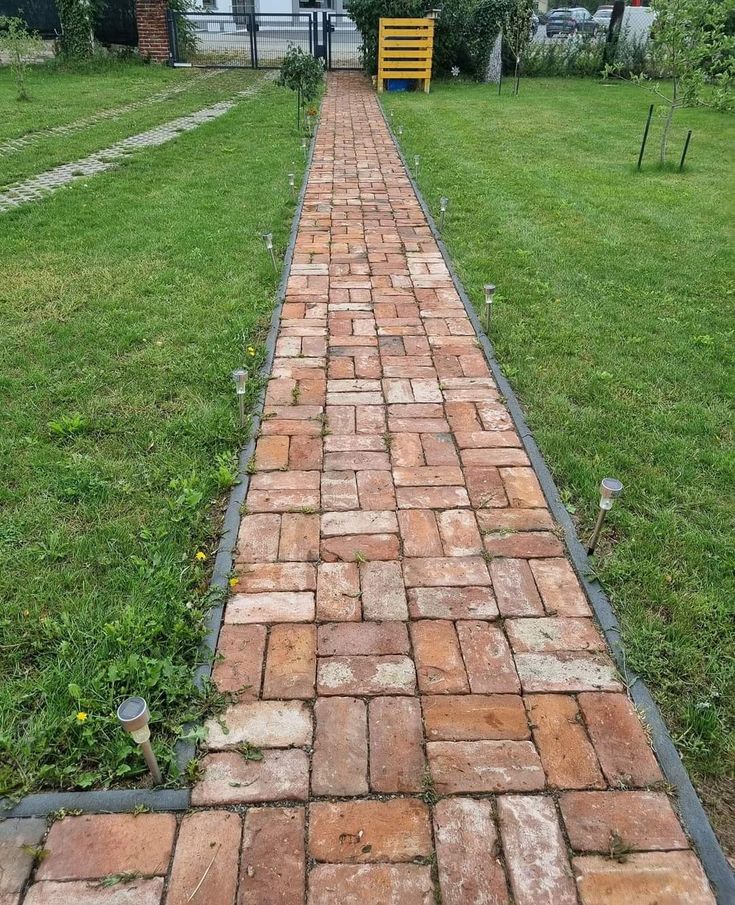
{"x": 435, "y": 709}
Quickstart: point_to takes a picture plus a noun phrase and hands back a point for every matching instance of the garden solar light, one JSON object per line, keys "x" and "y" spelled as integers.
{"x": 443, "y": 202}
{"x": 292, "y": 183}
{"x": 400, "y": 129}
{"x": 610, "y": 490}
{"x": 134, "y": 717}
{"x": 268, "y": 239}
{"x": 489, "y": 293}
{"x": 240, "y": 376}
{"x": 417, "y": 164}
{"x": 304, "y": 145}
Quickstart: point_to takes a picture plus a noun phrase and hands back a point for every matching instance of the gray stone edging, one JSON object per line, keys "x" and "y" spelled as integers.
{"x": 693, "y": 815}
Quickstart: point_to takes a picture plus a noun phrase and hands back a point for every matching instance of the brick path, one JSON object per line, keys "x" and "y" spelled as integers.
{"x": 417, "y": 666}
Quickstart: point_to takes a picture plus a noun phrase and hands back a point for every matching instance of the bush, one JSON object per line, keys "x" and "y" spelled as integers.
{"x": 19, "y": 45}
{"x": 302, "y": 73}
{"x": 464, "y": 36}
{"x": 586, "y": 56}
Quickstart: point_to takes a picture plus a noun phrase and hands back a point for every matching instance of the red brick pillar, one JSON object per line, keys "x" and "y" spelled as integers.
{"x": 152, "y": 30}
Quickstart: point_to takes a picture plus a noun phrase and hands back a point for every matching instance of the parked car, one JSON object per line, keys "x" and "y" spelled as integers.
{"x": 572, "y": 21}
{"x": 603, "y": 16}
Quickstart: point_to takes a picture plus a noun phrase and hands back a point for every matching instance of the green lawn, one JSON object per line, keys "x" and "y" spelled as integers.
{"x": 126, "y": 301}
{"x": 614, "y": 322}
{"x": 76, "y": 98}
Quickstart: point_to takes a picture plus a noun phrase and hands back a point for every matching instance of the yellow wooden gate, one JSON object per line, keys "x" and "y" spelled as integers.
{"x": 405, "y": 50}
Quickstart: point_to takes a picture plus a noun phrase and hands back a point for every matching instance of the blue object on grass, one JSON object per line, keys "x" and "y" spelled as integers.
{"x": 399, "y": 84}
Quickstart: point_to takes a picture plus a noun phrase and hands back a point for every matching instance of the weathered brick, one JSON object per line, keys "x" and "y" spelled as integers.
{"x": 231, "y": 779}
{"x": 642, "y": 820}
{"x": 266, "y": 724}
{"x": 438, "y": 657}
{"x": 389, "y": 884}
{"x": 82, "y": 892}
{"x": 290, "y": 667}
{"x": 369, "y": 831}
{"x": 488, "y": 658}
{"x": 290, "y": 606}
{"x": 467, "y": 718}
{"x": 515, "y": 590}
{"x": 485, "y": 487}
{"x": 406, "y": 450}
{"x": 207, "y": 859}
{"x": 383, "y": 594}
{"x": 484, "y": 766}
{"x": 299, "y": 538}
{"x": 522, "y": 488}
{"x": 419, "y": 533}
{"x": 620, "y": 742}
{"x": 257, "y": 540}
{"x": 96, "y": 845}
{"x": 273, "y": 859}
{"x": 396, "y": 745}
{"x": 483, "y": 439}
{"x": 515, "y": 520}
{"x": 257, "y": 578}
{"x": 362, "y": 638}
{"x": 356, "y": 461}
{"x": 566, "y": 752}
{"x": 523, "y": 544}
{"x": 305, "y": 453}
{"x": 653, "y": 878}
{"x": 428, "y": 476}
{"x": 431, "y": 497}
{"x": 553, "y": 634}
{"x": 357, "y": 547}
{"x": 470, "y": 872}
{"x": 18, "y": 839}
{"x": 271, "y": 453}
{"x": 337, "y": 524}
{"x": 339, "y": 491}
{"x": 559, "y": 588}
{"x": 372, "y": 675}
{"x": 338, "y": 591}
{"x": 452, "y": 603}
{"x": 452, "y": 571}
{"x": 459, "y": 533}
{"x": 535, "y": 854}
{"x": 567, "y": 671}
{"x": 340, "y": 759}
{"x": 240, "y": 650}
{"x": 494, "y": 456}
{"x": 375, "y": 489}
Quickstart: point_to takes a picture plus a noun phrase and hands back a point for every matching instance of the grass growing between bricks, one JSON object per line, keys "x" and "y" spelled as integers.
{"x": 126, "y": 301}
{"x": 614, "y": 322}
{"x": 47, "y": 151}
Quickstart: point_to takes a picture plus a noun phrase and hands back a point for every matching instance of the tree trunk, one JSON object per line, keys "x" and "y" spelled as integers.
{"x": 517, "y": 86}
{"x": 667, "y": 125}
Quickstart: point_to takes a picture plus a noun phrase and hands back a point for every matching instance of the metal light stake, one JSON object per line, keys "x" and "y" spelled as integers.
{"x": 610, "y": 490}
{"x": 489, "y": 293}
{"x": 292, "y": 184}
{"x": 134, "y": 718}
{"x": 304, "y": 145}
{"x": 240, "y": 376}
{"x": 400, "y": 130}
{"x": 443, "y": 202}
{"x": 268, "y": 239}
{"x": 416, "y": 164}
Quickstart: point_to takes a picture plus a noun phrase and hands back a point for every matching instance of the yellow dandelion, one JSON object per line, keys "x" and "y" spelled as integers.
{"x": 200, "y": 555}
{"x": 81, "y": 716}
{"x": 251, "y": 350}
{"x": 234, "y": 581}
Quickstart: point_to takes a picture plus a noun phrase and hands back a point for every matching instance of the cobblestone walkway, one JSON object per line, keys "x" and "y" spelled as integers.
{"x": 39, "y": 186}
{"x": 426, "y": 708}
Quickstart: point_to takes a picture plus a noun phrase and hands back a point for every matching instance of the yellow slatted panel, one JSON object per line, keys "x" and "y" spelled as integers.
{"x": 405, "y": 50}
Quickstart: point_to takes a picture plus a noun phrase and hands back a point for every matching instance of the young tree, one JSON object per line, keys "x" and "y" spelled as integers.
{"x": 302, "y": 73}
{"x": 517, "y": 34}
{"x": 19, "y": 45}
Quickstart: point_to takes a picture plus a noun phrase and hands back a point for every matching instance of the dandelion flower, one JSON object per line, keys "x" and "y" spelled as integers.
{"x": 81, "y": 716}
{"x": 234, "y": 581}
{"x": 251, "y": 350}
{"x": 200, "y": 555}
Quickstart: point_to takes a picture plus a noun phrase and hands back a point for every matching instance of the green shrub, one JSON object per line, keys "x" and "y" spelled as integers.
{"x": 585, "y": 57}
{"x": 18, "y": 44}
{"x": 464, "y": 36}
{"x": 302, "y": 73}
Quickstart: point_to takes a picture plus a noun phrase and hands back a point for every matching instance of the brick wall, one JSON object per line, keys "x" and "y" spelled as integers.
{"x": 152, "y": 30}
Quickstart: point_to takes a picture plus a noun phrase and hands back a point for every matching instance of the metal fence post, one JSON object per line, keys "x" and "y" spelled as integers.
{"x": 253, "y": 41}
{"x": 173, "y": 43}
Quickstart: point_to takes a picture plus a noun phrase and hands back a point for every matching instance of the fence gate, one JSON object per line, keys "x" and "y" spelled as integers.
{"x": 246, "y": 39}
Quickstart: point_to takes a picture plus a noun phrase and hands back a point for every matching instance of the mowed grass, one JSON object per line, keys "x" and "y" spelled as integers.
{"x": 614, "y": 322}
{"x": 126, "y": 302}
{"x": 73, "y": 98}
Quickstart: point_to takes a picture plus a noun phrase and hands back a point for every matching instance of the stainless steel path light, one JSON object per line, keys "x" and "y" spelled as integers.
{"x": 292, "y": 184}
{"x": 610, "y": 490}
{"x": 400, "y": 129}
{"x": 304, "y": 145}
{"x": 134, "y": 718}
{"x": 443, "y": 202}
{"x": 489, "y": 293}
{"x": 240, "y": 377}
{"x": 268, "y": 239}
{"x": 416, "y": 165}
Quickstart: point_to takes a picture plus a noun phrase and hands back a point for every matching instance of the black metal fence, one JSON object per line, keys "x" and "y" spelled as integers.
{"x": 260, "y": 40}
{"x": 113, "y": 24}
